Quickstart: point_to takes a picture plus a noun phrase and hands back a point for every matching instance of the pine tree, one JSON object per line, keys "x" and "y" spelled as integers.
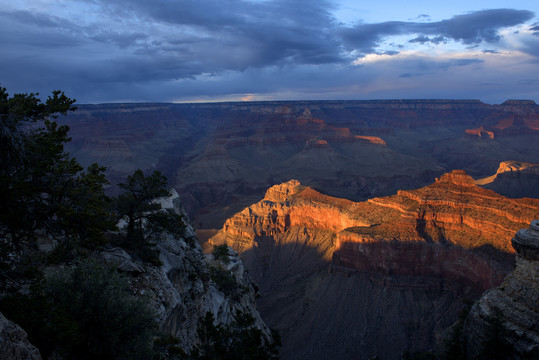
{"x": 144, "y": 217}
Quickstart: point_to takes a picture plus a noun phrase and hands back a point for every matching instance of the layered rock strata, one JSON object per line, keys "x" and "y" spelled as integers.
{"x": 450, "y": 219}
{"x": 328, "y": 263}
{"x": 218, "y": 156}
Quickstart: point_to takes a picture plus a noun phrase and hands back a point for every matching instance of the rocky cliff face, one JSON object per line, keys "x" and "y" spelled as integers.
{"x": 514, "y": 179}
{"x": 505, "y": 320}
{"x": 184, "y": 291}
{"x": 187, "y": 285}
{"x": 453, "y": 210}
{"x": 444, "y": 242}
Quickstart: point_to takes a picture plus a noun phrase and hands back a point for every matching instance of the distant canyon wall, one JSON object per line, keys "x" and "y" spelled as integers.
{"x": 220, "y": 155}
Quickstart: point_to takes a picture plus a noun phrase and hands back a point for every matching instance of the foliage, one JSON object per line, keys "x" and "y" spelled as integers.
{"x": 239, "y": 340}
{"x": 167, "y": 347}
{"x": 85, "y": 313}
{"x": 220, "y": 252}
{"x": 227, "y": 283}
{"x": 86, "y": 210}
{"x": 44, "y": 191}
{"x": 145, "y": 219}
{"x": 32, "y": 159}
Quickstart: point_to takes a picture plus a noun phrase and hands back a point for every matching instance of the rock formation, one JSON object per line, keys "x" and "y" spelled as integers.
{"x": 14, "y": 344}
{"x": 505, "y": 321}
{"x": 185, "y": 287}
{"x": 332, "y": 263}
{"x": 481, "y": 132}
{"x": 452, "y": 210}
{"x": 222, "y": 157}
{"x": 514, "y": 179}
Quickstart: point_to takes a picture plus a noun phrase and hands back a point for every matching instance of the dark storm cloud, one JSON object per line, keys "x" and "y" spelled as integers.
{"x": 422, "y": 39}
{"x": 410, "y": 75}
{"x": 36, "y": 29}
{"x": 122, "y": 40}
{"x": 472, "y": 28}
{"x": 266, "y": 33}
{"x": 127, "y": 49}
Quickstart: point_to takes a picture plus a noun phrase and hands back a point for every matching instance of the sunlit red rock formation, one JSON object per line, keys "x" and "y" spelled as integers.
{"x": 514, "y": 179}
{"x": 481, "y": 132}
{"x": 397, "y": 266}
{"x": 443, "y": 230}
{"x": 508, "y": 166}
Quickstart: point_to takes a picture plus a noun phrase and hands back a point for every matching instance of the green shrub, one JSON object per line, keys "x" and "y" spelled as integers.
{"x": 86, "y": 312}
{"x": 241, "y": 340}
{"x": 220, "y": 252}
{"x": 225, "y": 281}
{"x": 167, "y": 347}
{"x": 95, "y": 316}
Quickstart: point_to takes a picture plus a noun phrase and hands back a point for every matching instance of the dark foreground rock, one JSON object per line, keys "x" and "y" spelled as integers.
{"x": 14, "y": 344}
{"x": 505, "y": 321}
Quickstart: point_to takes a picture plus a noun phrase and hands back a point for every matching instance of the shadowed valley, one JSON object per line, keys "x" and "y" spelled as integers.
{"x": 343, "y": 277}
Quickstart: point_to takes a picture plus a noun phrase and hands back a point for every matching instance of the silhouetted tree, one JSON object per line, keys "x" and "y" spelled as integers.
{"x": 43, "y": 190}
{"x": 144, "y": 217}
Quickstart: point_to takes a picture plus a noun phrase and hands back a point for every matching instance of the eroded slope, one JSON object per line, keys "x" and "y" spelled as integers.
{"x": 337, "y": 275}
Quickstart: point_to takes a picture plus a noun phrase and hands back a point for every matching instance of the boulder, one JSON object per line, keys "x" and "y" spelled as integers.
{"x": 14, "y": 344}
{"x": 505, "y": 320}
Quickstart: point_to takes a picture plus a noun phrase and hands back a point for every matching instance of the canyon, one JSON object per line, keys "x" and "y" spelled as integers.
{"x": 390, "y": 227}
{"x": 221, "y": 157}
{"x": 399, "y": 266}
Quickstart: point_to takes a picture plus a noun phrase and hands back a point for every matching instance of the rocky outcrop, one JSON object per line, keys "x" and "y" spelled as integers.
{"x": 187, "y": 284}
{"x": 14, "y": 344}
{"x": 514, "y": 179}
{"x": 481, "y": 132}
{"x": 505, "y": 321}
{"x": 453, "y": 210}
{"x": 442, "y": 242}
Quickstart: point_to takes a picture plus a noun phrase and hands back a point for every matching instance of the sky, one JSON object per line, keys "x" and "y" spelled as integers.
{"x": 103, "y": 51}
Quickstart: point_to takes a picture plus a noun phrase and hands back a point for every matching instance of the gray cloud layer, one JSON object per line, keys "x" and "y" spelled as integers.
{"x": 471, "y": 28}
{"x": 148, "y": 50}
